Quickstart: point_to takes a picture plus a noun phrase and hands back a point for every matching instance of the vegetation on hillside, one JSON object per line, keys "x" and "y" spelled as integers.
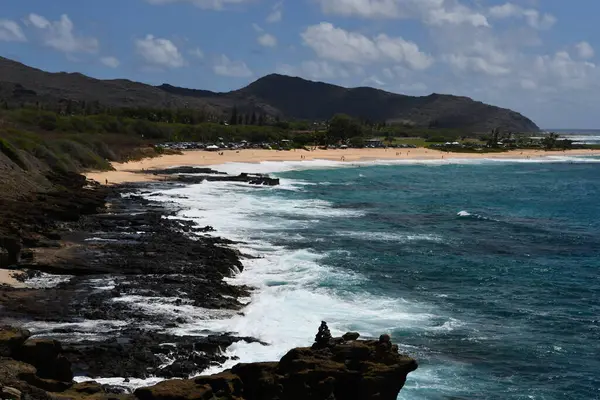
{"x": 77, "y": 136}
{"x": 270, "y": 97}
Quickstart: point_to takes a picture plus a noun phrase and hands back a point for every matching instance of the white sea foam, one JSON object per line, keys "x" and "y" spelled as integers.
{"x": 45, "y": 281}
{"x": 78, "y": 331}
{"x": 392, "y": 237}
{"x": 169, "y": 308}
{"x": 295, "y": 289}
{"x": 132, "y": 383}
{"x": 266, "y": 167}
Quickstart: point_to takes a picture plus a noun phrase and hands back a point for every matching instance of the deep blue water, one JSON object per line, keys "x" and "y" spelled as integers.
{"x": 514, "y": 279}
{"x": 486, "y": 273}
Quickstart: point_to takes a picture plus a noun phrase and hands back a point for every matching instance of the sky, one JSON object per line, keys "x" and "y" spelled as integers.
{"x": 538, "y": 57}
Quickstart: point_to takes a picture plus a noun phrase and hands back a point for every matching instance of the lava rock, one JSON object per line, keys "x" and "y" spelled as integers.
{"x": 11, "y": 339}
{"x": 351, "y": 336}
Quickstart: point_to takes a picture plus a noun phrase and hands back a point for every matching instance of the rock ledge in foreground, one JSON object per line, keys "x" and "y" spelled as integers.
{"x": 332, "y": 369}
{"x": 335, "y": 369}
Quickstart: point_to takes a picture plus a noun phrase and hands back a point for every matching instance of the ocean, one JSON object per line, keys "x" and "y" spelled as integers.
{"x": 580, "y": 136}
{"x": 484, "y": 271}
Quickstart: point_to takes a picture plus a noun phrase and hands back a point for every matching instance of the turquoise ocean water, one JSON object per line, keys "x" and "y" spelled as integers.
{"x": 486, "y": 272}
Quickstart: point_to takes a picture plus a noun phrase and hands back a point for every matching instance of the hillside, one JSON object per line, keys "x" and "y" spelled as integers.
{"x": 274, "y": 95}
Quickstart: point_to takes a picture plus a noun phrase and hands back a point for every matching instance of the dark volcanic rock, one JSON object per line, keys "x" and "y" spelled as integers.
{"x": 139, "y": 354}
{"x": 347, "y": 370}
{"x": 252, "y": 179}
{"x": 185, "y": 170}
{"x": 11, "y": 339}
{"x": 46, "y": 356}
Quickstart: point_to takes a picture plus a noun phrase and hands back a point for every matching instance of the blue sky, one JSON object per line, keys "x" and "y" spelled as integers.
{"x": 535, "y": 56}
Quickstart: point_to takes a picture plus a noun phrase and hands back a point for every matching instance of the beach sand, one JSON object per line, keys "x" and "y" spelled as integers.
{"x": 132, "y": 171}
{"x": 7, "y": 278}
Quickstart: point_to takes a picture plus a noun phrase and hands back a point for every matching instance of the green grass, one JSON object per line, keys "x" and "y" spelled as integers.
{"x": 12, "y": 153}
{"x": 416, "y": 141}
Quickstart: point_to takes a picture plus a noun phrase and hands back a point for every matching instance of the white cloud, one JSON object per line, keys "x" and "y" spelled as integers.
{"x": 205, "y": 4}
{"x": 534, "y": 18}
{"x": 432, "y": 12}
{"x": 337, "y": 44}
{"x": 527, "y": 84}
{"x": 561, "y": 70}
{"x": 60, "y": 35}
{"x": 276, "y": 13}
{"x": 197, "y": 52}
{"x": 10, "y": 31}
{"x": 388, "y": 73}
{"x": 236, "y": 69}
{"x": 314, "y": 70}
{"x": 478, "y": 64}
{"x": 267, "y": 40}
{"x": 111, "y": 62}
{"x": 373, "y": 80}
{"x": 158, "y": 52}
{"x": 38, "y": 21}
{"x": 257, "y": 27}
{"x": 585, "y": 50}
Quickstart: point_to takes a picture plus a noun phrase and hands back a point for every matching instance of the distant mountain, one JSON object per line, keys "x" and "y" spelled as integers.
{"x": 275, "y": 95}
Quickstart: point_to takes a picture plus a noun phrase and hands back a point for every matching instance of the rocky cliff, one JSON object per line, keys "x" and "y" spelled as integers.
{"x": 332, "y": 369}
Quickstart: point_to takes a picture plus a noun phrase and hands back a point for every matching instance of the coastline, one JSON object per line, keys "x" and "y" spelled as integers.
{"x": 141, "y": 171}
{"x": 7, "y": 278}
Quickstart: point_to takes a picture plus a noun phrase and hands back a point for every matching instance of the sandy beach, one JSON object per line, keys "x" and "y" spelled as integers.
{"x": 7, "y": 278}
{"x": 133, "y": 171}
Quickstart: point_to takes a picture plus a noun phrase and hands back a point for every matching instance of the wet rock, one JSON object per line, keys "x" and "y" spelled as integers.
{"x": 351, "y": 336}
{"x": 176, "y": 390}
{"x": 185, "y": 170}
{"x": 11, "y": 340}
{"x": 385, "y": 338}
{"x": 252, "y": 179}
{"x": 10, "y": 393}
{"x": 46, "y": 356}
{"x": 11, "y": 247}
{"x": 350, "y": 370}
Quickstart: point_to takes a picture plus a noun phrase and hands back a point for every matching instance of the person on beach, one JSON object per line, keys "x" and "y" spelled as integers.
{"x": 107, "y": 181}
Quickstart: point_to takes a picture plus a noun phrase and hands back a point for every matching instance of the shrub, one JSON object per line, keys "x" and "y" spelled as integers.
{"x": 9, "y": 151}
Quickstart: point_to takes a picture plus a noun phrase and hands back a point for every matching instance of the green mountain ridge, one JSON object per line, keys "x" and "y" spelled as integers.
{"x": 275, "y": 95}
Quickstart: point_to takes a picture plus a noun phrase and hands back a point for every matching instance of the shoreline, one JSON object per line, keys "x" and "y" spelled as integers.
{"x": 141, "y": 171}
{"x": 7, "y": 278}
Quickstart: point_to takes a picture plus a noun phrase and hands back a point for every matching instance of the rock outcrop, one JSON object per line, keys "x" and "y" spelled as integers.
{"x": 336, "y": 369}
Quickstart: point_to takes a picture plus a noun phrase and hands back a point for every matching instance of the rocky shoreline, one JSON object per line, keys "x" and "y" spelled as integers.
{"x": 333, "y": 368}
{"x": 114, "y": 262}
{"x": 116, "y": 275}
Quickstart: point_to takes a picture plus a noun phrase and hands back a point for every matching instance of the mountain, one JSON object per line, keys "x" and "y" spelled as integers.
{"x": 275, "y": 95}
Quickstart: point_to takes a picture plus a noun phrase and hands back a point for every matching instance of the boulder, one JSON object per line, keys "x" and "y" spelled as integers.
{"x": 176, "y": 390}
{"x": 11, "y": 339}
{"x": 223, "y": 385}
{"x": 10, "y": 393}
{"x": 12, "y": 248}
{"x": 351, "y": 336}
{"x": 45, "y": 355}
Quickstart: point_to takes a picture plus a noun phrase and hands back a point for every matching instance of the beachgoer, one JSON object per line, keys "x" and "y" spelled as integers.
{"x": 107, "y": 181}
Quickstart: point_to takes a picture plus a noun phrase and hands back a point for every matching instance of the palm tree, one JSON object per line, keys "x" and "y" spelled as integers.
{"x": 549, "y": 142}
{"x": 494, "y": 138}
